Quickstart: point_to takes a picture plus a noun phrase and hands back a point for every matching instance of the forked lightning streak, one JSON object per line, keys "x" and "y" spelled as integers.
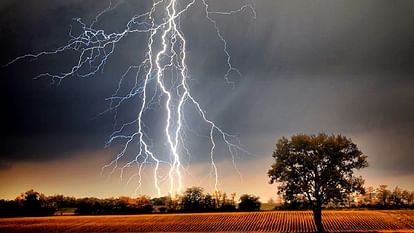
{"x": 160, "y": 79}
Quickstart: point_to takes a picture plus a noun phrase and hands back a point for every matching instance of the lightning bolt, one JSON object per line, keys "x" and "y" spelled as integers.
{"x": 160, "y": 79}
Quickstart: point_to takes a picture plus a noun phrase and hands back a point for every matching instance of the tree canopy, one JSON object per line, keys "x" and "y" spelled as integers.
{"x": 317, "y": 168}
{"x": 249, "y": 203}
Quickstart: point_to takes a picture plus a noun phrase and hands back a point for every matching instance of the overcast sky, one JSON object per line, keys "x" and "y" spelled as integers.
{"x": 307, "y": 66}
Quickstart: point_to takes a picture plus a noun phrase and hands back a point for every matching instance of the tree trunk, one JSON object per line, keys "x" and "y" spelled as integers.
{"x": 317, "y": 216}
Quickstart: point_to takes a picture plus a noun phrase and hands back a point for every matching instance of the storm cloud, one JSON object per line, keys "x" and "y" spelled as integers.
{"x": 307, "y": 66}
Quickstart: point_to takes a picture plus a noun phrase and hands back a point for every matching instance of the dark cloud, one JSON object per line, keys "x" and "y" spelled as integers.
{"x": 333, "y": 66}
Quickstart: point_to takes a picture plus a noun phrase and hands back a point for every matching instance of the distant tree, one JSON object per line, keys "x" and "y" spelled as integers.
{"x": 405, "y": 196}
{"x": 87, "y": 206}
{"x": 208, "y": 202}
{"x": 223, "y": 200}
{"x": 217, "y": 197}
{"x": 193, "y": 199}
{"x": 12, "y": 208}
{"x": 384, "y": 194}
{"x": 143, "y": 200}
{"x": 410, "y": 198}
{"x": 57, "y": 201}
{"x": 370, "y": 191}
{"x": 396, "y": 196}
{"x": 319, "y": 167}
{"x": 32, "y": 203}
{"x": 159, "y": 200}
{"x": 31, "y": 200}
{"x": 173, "y": 203}
{"x": 249, "y": 203}
{"x": 232, "y": 196}
{"x": 124, "y": 202}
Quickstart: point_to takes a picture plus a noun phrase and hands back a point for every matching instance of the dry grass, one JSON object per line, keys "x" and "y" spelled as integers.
{"x": 275, "y": 221}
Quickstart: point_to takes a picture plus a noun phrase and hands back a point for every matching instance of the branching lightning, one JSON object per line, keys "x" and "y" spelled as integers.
{"x": 160, "y": 79}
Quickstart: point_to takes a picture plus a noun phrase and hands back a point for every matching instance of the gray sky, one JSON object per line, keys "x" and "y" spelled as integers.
{"x": 307, "y": 66}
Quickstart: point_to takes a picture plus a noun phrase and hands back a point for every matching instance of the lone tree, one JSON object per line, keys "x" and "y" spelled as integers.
{"x": 319, "y": 168}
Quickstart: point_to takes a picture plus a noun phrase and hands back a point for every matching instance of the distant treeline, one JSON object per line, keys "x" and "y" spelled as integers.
{"x": 373, "y": 198}
{"x": 32, "y": 203}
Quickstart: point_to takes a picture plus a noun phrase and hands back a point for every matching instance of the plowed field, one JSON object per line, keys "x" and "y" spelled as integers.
{"x": 275, "y": 221}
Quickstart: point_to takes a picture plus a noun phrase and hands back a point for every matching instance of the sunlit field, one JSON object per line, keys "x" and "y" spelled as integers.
{"x": 274, "y": 221}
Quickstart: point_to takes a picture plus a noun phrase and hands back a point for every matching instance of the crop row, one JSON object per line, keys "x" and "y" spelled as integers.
{"x": 276, "y": 221}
